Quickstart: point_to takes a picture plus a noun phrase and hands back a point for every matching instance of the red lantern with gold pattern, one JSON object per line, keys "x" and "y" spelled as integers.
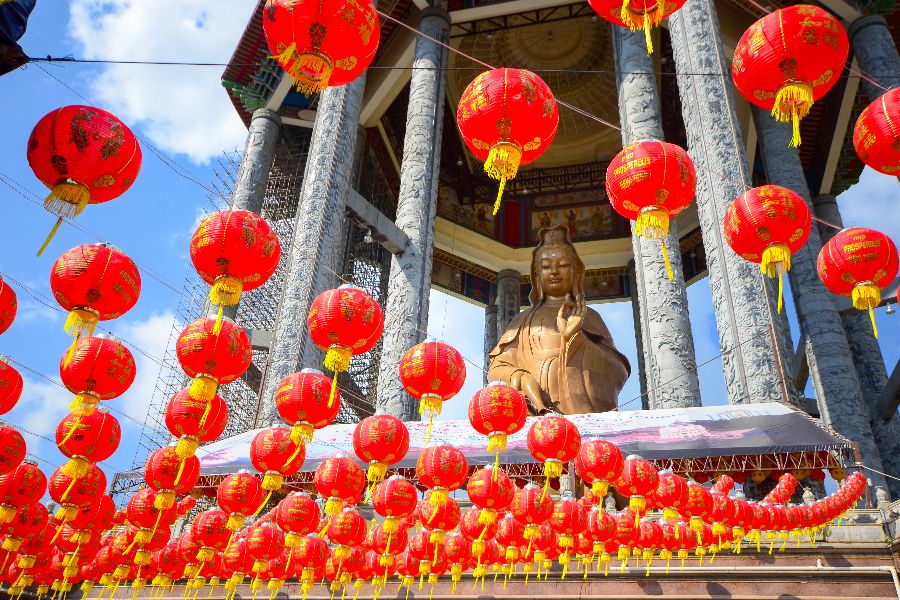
{"x": 497, "y": 411}
{"x": 766, "y": 225}
{"x": 507, "y": 118}
{"x": 432, "y": 372}
{"x": 345, "y": 529}
{"x": 29, "y": 520}
{"x": 297, "y": 515}
{"x": 568, "y": 520}
{"x": 671, "y": 494}
{"x": 344, "y": 322}
{"x": 239, "y": 494}
{"x": 876, "y": 136}
{"x": 264, "y": 543}
{"x": 71, "y": 494}
{"x": 87, "y": 439}
{"x": 96, "y": 369}
{"x": 439, "y": 519}
{"x": 209, "y": 531}
{"x": 598, "y": 462}
{"x": 553, "y": 441}
{"x": 234, "y": 251}
{"x": 380, "y": 440}
{"x": 531, "y": 507}
{"x": 394, "y": 499}
{"x": 636, "y": 14}
{"x": 341, "y": 481}
{"x": 639, "y": 480}
{"x": 322, "y": 44}
{"x": 170, "y": 474}
{"x": 650, "y": 182}
{"x": 8, "y": 305}
{"x": 491, "y": 490}
{"x": 697, "y": 507}
{"x": 212, "y": 355}
{"x": 442, "y": 469}
{"x": 310, "y": 556}
{"x": 302, "y": 400}
{"x": 859, "y": 263}
{"x": 25, "y": 484}
{"x": 195, "y": 422}
{"x": 10, "y": 385}
{"x": 274, "y": 454}
{"x": 789, "y": 59}
{"x": 12, "y": 449}
{"x": 94, "y": 282}
{"x": 85, "y": 155}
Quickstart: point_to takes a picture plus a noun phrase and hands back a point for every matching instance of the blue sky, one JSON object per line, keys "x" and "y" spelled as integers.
{"x": 184, "y": 112}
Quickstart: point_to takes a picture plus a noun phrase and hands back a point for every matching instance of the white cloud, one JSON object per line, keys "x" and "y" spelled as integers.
{"x": 869, "y": 202}
{"x": 36, "y": 415}
{"x": 181, "y": 109}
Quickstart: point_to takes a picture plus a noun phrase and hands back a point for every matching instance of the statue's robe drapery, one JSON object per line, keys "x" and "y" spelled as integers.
{"x": 594, "y": 369}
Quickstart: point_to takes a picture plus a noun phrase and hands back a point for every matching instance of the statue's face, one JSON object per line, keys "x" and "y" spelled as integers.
{"x": 557, "y": 272}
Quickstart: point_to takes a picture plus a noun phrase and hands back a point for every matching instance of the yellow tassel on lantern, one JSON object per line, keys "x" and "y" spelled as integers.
{"x": 646, "y": 20}
{"x": 599, "y": 489}
{"x": 203, "y": 387}
{"x": 66, "y": 200}
{"x": 502, "y": 164}
{"x": 164, "y": 500}
{"x": 186, "y": 447}
{"x": 639, "y": 505}
{"x": 226, "y": 291}
{"x": 7, "y": 513}
{"x": 76, "y": 467}
{"x": 333, "y": 506}
{"x": 337, "y": 359}
{"x": 792, "y": 103}
{"x": 376, "y": 471}
{"x": 84, "y": 404}
{"x": 235, "y": 522}
{"x": 437, "y": 537}
{"x": 302, "y": 433}
{"x": 439, "y": 497}
{"x": 311, "y": 73}
{"x": 867, "y": 296}
{"x": 272, "y": 480}
{"x": 776, "y": 261}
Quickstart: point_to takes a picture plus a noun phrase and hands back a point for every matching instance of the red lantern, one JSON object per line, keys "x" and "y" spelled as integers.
{"x": 859, "y": 263}
{"x": 531, "y": 507}
{"x": 601, "y": 527}
{"x": 212, "y": 356}
{"x": 380, "y": 440}
{"x": 322, "y": 45}
{"x": 394, "y": 499}
{"x": 432, "y": 372}
{"x": 85, "y": 155}
{"x": 876, "y": 136}
{"x": 636, "y": 14}
{"x": 789, "y": 59}
{"x": 94, "y": 282}
{"x": 234, "y": 251}
{"x": 456, "y": 552}
{"x": 170, "y": 475}
{"x": 142, "y": 513}
{"x": 342, "y": 323}
{"x": 10, "y": 384}
{"x": 697, "y": 507}
{"x": 297, "y": 515}
{"x": 639, "y": 480}
{"x": 209, "y": 531}
{"x": 239, "y": 494}
{"x": 310, "y": 555}
{"x": 497, "y": 411}
{"x": 87, "y": 439}
{"x": 195, "y": 422}
{"x": 71, "y": 494}
{"x": 12, "y": 449}
{"x": 341, "y": 481}
{"x": 8, "y": 306}
{"x": 649, "y": 182}
{"x": 29, "y": 520}
{"x": 96, "y": 369}
{"x": 671, "y": 494}
{"x": 274, "y": 454}
{"x": 553, "y": 441}
{"x": 598, "y": 462}
{"x": 491, "y": 490}
{"x": 507, "y": 118}
{"x": 25, "y": 484}
{"x": 264, "y": 543}
{"x": 439, "y": 519}
{"x": 347, "y": 528}
{"x": 302, "y": 400}
{"x": 766, "y": 225}
{"x": 568, "y": 520}
{"x": 442, "y": 469}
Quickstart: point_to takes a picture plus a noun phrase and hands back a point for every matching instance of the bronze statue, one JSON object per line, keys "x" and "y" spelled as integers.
{"x": 559, "y": 353}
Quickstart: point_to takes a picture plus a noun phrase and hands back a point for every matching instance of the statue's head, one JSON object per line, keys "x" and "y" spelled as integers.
{"x": 556, "y": 268}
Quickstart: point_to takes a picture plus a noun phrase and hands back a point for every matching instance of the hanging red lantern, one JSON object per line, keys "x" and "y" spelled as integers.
{"x": 599, "y": 462}
{"x": 87, "y": 439}
{"x": 71, "y": 494}
{"x": 507, "y": 118}
{"x": 310, "y": 556}
{"x": 766, "y": 225}
{"x": 264, "y": 543}
{"x": 346, "y": 529}
{"x": 302, "y": 400}
{"x": 456, "y": 552}
{"x": 342, "y": 323}
{"x": 322, "y": 45}
{"x": 28, "y": 521}
{"x": 380, "y": 441}
{"x": 650, "y": 182}
{"x": 209, "y": 531}
{"x": 432, "y": 372}
{"x": 239, "y": 495}
{"x": 789, "y": 59}
{"x": 274, "y": 454}
{"x": 553, "y": 441}
{"x": 341, "y": 481}
{"x": 297, "y": 515}
{"x": 195, "y": 422}
{"x": 394, "y": 499}
{"x": 568, "y": 520}
{"x": 96, "y": 369}
{"x": 12, "y": 449}
{"x": 859, "y": 263}
{"x": 8, "y": 306}
{"x": 85, "y": 155}
{"x": 94, "y": 282}
{"x": 876, "y": 136}
{"x": 212, "y": 357}
{"x": 439, "y": 519}
{"x": 636, "y": 14}
{"x": 442, "y": 469}
{"x": 639, "y": 480}
{"x": 601, "y": 528}
{"x": 234, "y": 251}
{"x": 491, "y": 490}
{"x": 10, "y": 384}
{"x": 170, "y": 475}
{"x": 671, "y": 494}
{"x": 143, "y": 514}
{"x": 24, "y": 484}
{"x": 497, "y": 411}
{"x": 697, "y": 507}
{"x": 531, "y": 507}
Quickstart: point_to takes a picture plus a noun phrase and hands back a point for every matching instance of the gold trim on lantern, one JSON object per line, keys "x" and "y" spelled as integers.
{"x": 792, "y": 103}
{"x": 502, "y": 164}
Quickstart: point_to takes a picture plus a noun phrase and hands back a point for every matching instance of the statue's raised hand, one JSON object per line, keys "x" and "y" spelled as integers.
{"x": 570, "y": 317}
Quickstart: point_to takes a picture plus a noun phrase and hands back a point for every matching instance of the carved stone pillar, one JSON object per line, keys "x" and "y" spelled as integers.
{"x": 490, "y": 336}
{"x": 667, "y": 345}
{"x": 406, "y": 310}
{"x": 259, "y": 153}
{"x": 317, "y": 250}
{"x": 509, "y": 297}
{"x": 875, "y": 54}
{"x": 744, "y": 321}
{"x": 842, "y": 405}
